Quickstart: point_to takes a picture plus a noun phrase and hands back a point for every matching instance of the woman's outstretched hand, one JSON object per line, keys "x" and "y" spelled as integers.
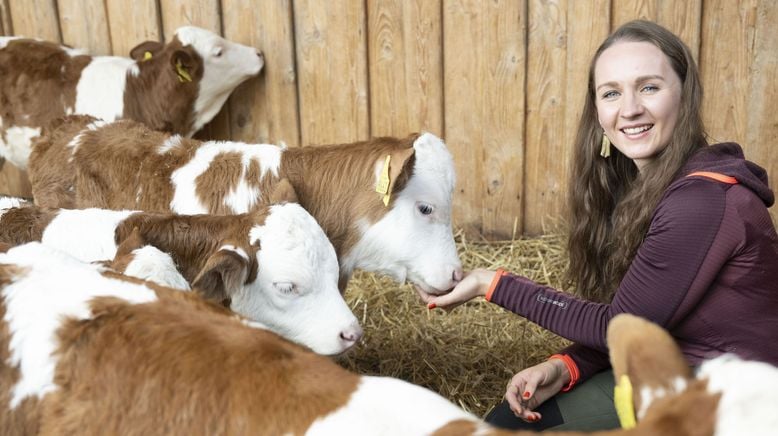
{"x": 475, "y": 284}
{"x": 532, "y": 386}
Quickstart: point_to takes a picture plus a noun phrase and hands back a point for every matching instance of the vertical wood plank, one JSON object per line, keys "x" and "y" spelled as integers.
{"x": 726, "y": 67}
{"x": 35, "y": 19}
{"x": 405, "y": 66}
{"x": 628, "y": 10}
{"x": 266, "y": 109}
{"x": 546, "y": 148}
{"x": 762, "y": 122}
{"x": 332, "y": 70}
{"x": 84, "y": 24}
{"x": 563, "y": 37}
{"x": 204, "y": 14}
{"x": 484, "y": 58}
{"x": 200, "y": 13}
{"x": 5, "y": 19}
{"x": 132, "y": 22}
{"x": 683, "y": 19}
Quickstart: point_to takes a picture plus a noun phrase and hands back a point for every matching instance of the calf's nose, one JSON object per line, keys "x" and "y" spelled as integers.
{"x": 351, "y": 335}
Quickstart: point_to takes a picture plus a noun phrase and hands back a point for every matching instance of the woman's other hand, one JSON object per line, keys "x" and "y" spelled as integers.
{"x": 532, "y": 386}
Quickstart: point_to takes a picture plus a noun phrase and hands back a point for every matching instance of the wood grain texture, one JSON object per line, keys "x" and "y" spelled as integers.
{"x": 761, "y": 138}
{"x": 405, "y": 62}
{"x": 132, "y": 22}
{"x": 265, "y": 109}
{"x": 684, "y": 19}
{"x": 331, "y": 48}
{"x": 84, "y": 24}
{"x": 204, "y": 14}
{"x": 5, "y": 19}
{"x": 35, "y": 19}
{"x": 484, "y": 76}
{"x": 627, "y": 10}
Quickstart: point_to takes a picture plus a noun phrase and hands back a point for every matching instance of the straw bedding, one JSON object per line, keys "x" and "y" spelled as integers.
{"x": 467, "y": 355}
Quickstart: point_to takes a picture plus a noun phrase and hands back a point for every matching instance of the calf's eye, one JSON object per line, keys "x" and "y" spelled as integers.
{"x": 425, "y": 208}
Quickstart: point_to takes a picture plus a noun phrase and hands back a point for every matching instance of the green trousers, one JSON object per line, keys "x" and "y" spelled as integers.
{"x": 587, "y": 407}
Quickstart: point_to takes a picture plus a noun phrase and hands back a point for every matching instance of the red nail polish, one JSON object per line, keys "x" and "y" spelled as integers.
{"x": 526, "y": 394}
{"x": 431, "y": 306}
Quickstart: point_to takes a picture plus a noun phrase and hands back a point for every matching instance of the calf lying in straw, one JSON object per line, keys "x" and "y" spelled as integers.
{"x": 109, "y": 355}
{"x": 274, "y": 266}
{"x": 404, "y": 231}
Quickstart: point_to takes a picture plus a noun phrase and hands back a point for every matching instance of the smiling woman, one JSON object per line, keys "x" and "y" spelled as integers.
{"x": 666, "y": 227}
{"x": 638, "y": 95}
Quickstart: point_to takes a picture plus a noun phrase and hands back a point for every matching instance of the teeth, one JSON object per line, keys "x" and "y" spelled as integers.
{"x": 635, "y": 130}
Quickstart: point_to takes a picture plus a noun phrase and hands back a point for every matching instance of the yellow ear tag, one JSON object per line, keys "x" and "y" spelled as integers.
{"x": 622, "y": 399}
{"x": 183, "y": 75}
{"x": 382, "y": 187}
{"x": 146, "y": 56}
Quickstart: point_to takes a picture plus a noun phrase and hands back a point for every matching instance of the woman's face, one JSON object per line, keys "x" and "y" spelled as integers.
{"x": 637, "y": 95}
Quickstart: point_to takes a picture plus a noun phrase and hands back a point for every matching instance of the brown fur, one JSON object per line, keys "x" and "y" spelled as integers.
{"x": 646, "y": 353}
{"x": 183, "y": 366}
{"x": 156, "y": 97}
{"x": 19, "y": 225}
{"x": 335, "y": 183}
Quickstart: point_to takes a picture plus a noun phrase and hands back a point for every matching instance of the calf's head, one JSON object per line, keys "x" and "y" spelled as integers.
{"x": 294, "y": 288}
{"x": 413, "y": 240}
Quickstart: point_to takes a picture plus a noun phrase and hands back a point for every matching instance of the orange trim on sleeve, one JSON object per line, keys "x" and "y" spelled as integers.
{"x": 715, "y": 176}
{"x": 497, "y": 274}
{"x": 572, "y": 368}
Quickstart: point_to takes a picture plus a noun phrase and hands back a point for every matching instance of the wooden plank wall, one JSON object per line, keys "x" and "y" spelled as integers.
{"x": 502, "y": 81}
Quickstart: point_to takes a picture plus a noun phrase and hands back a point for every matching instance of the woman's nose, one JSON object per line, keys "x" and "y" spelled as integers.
{"x": 631, "y": 105}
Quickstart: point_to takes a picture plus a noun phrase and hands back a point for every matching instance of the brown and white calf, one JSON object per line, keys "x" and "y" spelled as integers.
{"x": 725, "y": 396}
{"x": 86, "y": 351}
{"x": 176, "y": 87}
{"x": 274, "y": 266}
{"x": 124, "y": 165}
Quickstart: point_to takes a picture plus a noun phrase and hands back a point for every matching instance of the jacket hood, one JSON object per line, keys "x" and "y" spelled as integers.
{"x": 727, "y": 158}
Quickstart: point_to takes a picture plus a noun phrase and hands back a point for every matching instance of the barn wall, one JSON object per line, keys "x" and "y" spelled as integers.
{"x": 502, "y": 81}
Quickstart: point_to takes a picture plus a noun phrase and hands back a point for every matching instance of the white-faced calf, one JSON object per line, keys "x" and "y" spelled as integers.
{"x": 274, "y": 266}
{"x": 404, "y": 231}
{"x": 176, "y": 87}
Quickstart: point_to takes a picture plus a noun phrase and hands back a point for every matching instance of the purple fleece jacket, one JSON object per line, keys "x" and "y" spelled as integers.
{"x": 707, "y": 271}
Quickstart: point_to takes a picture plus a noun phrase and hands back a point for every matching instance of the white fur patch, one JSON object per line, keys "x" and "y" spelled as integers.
{"x": 648, "y": 395}
{"x": 100, "y": 90}
{"x": 226, "y": 64}
{"x": 749, "y": 395}
{"x": 15, "y": 145}
{"x": 53, "y": 287}
{"x": 4, "y": 40}
{"x": 86, "y": 234}
{"x": 171, "y": 143}
{"x": 152, "y": 264}
{"x": 237, "y": 250}
{"x": 388, "y": 406}
{"x": 185, "y": 199}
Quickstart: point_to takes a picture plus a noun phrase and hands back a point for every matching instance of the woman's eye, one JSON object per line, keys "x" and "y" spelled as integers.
{"x": 425, "y": 209}
{"x": 610, "y": 94}
{"x": 650, "y": 88}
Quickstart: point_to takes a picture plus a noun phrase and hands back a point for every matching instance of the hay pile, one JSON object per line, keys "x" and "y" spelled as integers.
{"x": 467, "y": 355}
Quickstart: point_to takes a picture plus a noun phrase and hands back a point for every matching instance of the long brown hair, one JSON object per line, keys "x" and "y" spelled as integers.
{"x": 611, "y": 202}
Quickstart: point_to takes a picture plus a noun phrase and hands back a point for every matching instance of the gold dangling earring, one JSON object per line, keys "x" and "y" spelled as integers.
{"x": 605, "y": 149}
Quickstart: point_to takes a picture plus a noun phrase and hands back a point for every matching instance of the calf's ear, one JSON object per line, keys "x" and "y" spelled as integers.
{"x": 283, "y": 192}
{"x": 138, "y": 53}
{"x": 224, "y": 273}
{"x": 393, "y": 170}
{"x": 646, "y": 354}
